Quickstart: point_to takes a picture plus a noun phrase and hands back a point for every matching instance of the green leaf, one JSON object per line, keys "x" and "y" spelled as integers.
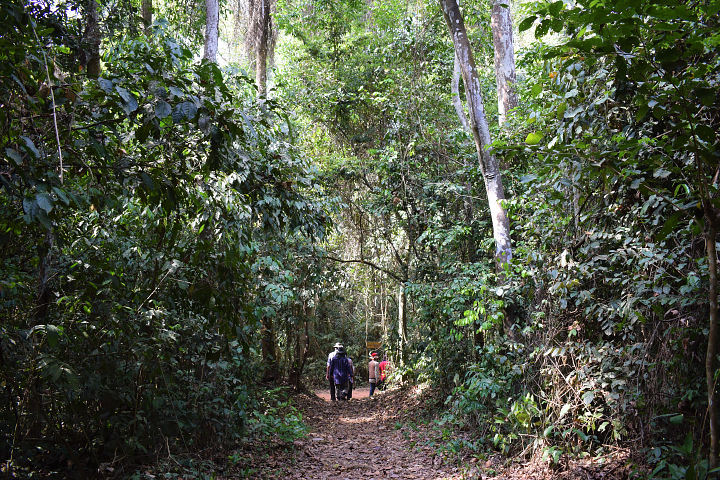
{"x": 658, "y": 112}
{"x": 14, "y": 156}
{"x": 527, "y": 23}
{"x": 528, "y": 178}
{"x": 713, "y": 8}
{"x": 677, "y": 419}
{"x": 148, "y": 181}
{"x": 188, "y": 109}
{"x": 61, "y": 195}
{"x": 565, "y": 409}
{"x": 533, "y": 138}
{"x": 44, "y": 201}
{"x": 52, "y": 335}
{"x": 573, "y": 112}
{"x": 142, "y": 133}
{"x": 555, "y": 7}
{"x": 130, "y": 102}
{"x": 705, "y": 133}
{"x": 31, "y": 146}
{"x": 44, "y": 219}
{"x": 669, "y": 226}
{"x": 588, "y": 397}
{"x": 542, "y": 29}
{"x": 105, "y": 84}
{"x": 162, "y": 109}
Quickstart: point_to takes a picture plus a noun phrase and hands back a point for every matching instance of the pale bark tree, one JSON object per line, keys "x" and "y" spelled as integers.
{"x": 502, "y": 32}
{"x": 456, "y": 100}
{"x": 481, "y": 132}
{"x": 212, "y": 30}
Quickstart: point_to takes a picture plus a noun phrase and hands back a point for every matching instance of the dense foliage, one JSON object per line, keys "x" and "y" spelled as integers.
{"x": 609, "y": 162}
{"x": 166, "y": 244}
{"x": 139, "y": 210}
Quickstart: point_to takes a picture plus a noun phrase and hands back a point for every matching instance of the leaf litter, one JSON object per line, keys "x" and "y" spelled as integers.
{"x": 389, "y": 436}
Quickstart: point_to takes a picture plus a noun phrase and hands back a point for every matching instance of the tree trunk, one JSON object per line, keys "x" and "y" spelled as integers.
{"x": 147, "y": 17}
{"x": 270, "y": 374}
{"x": 261, "y": 54}
{"x": 481, "y": 133}
{"x": 456, "y": 100}
{"x": 92, "y": 37}
{"x": 502, "y": 32}
{"x": 712, "y": 340}
{"x": 402, "y": 321}
{"x": 212, "y": 25}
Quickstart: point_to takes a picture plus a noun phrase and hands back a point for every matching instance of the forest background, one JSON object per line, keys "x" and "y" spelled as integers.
{"x": 198, "y": 200}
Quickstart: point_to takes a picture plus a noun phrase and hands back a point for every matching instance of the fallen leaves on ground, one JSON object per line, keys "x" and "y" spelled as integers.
{"x": 385, "y": 437}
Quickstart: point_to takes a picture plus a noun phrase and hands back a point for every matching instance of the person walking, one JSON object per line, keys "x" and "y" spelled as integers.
{"x": 383, "y": 374}
{"x": 341, "y": 373}
{"x": 352, "y": 377}
{"x": 373, "y": 372}
{"x": 331, "y": 355}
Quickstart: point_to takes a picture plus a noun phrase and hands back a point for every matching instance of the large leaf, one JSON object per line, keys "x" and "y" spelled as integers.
{"x": 105, "y": 84}
{"x": 44, "y": 201}
{"x": 130, "y": 103}
{"x": 163, "y": 109}
{"x": 533, "y": 138}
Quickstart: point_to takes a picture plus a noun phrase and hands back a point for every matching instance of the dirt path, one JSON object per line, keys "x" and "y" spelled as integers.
{"x": 385, "y": 437}
{"x": 365, "y": 438}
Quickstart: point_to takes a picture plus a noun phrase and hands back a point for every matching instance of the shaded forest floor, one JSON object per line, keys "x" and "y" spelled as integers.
{"x": 386, "y": 437}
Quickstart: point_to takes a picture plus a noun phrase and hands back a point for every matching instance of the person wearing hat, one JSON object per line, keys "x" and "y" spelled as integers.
{"x": 384, "y": 370}
{"x": 331, "y": 355}
{"x": 341, "y": 372}
{"x": 374, "y": 372}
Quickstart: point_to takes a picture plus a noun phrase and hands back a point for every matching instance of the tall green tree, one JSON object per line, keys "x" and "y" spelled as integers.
{"x": 481, "y": 133}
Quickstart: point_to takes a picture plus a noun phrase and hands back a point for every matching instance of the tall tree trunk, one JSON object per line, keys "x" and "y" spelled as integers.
{"x": 402, "y": 321}
{"x": 481, "y": 133}
{"x": 212, "y": 30}
{"x": 502, "y": 32}
{"x": 712, "y": 335}
{"x": 92, "y": 37}
{"x": 260, "y": 40}
{"x": 147, "y": 17}
{"x": 261, "y": 57}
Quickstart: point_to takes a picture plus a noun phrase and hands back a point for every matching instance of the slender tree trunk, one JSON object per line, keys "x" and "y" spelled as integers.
{"x": 481, "y": 133}
{"x": 92, "y": 37}
{"x": 147, "y": 17}
{"x": 712, "y": 341}
{"x": 44, "y": 295}
{"x": 402, "y": 317}
{"x": 460, "y": 111}
{"x": 456, "y": 100}
{"x": 270, "y": 374}
{"x": 261, "y": 54}
{"x": 502, "y": 32}
{"x": 212, "y": 30}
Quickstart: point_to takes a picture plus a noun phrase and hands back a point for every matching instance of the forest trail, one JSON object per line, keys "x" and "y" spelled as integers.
{"x": 386, "y": 438}
{"x": 364, "y": 438}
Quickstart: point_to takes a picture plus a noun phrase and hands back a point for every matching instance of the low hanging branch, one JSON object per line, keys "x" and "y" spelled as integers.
{"x": 369, "y": 264}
